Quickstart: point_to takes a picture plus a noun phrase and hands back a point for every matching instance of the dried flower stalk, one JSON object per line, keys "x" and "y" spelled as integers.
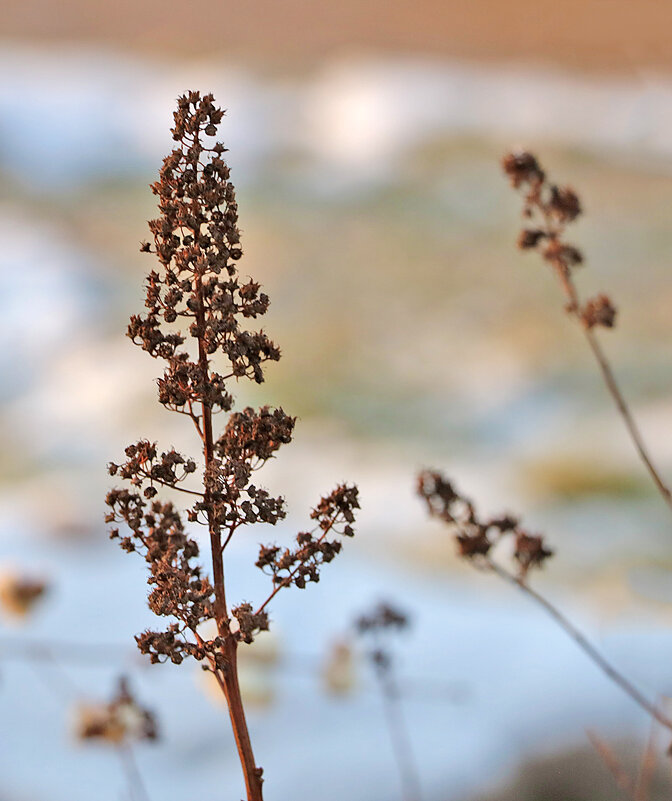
{"x": 197, "y": 285}
{"x": 476, "y": 538}
{"x": 550, "y": 208}
{"x": 381, "y": 621}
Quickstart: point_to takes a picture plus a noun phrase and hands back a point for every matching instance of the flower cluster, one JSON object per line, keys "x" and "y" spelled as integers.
{"x": 550, "y": 208}
{"x": 145, "y": 465}
{"x": 178, "y": 588}
{"x": 197, "y": 242}
{"x": 197, "y": 307}
{"x": 19, "y": 593}
{"x": 299, "y": 565}
{"x": 374, "y": 627}
{"x": 118, "y": 722}
{"x": 383, "y": 616}
{"x": 476, "y": 537}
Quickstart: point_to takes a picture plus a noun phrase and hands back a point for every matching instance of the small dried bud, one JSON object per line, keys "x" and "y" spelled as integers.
{"x": 529, "y": 238}
{"x": 19, "y": 594}
{"x": 530, "y": 551}
{"x": 599, "y": 311}
{"x": 522, "y": 168}
{"x": 120, "y": 721}
{"x": 564, "y": 204}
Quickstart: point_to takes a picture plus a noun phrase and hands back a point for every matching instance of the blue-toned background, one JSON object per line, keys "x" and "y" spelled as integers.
{"x": 414, "y": 334}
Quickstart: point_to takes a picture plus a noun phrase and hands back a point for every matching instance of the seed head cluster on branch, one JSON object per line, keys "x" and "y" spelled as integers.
{"x": 198, "y": 307}
{"x": 475, "y": 536}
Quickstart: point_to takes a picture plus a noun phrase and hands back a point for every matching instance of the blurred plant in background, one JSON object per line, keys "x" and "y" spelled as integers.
{"x": 481, "y": 541}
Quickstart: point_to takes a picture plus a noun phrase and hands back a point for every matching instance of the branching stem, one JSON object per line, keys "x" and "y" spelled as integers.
{"x": 229, "y": 680}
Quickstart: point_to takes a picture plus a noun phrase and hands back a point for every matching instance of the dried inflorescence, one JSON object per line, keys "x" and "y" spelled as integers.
{"x": 19, "y": 594}
{"x": 383, "y": 619}
{"x": 476, "y": 537}
{"x": 198, "y": 306}
{"x": 301, "y": 564}
{"x": 119, "y": 722}
{"x": 550, "y": 208}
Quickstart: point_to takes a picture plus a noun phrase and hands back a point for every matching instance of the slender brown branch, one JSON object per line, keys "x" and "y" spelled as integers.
{"x": 136, "y": 785}
{"x": 230, "y": 685}
{"x": 581, "y": 640}
{"x": 399, "y": 736}
{"x": 172, "y": 486}
{"x": 607, "y": 372}
{"x": 556, "y": 207}
{"x": 647, "y": 768}
{"x": 612, "y": 763}
{"x": 287, "y": 580}
{"x": 625, "y": 413}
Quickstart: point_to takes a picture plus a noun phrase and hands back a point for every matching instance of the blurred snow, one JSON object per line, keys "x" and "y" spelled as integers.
{"x": 523, "y": 687}
{"x": 72, "y": 115}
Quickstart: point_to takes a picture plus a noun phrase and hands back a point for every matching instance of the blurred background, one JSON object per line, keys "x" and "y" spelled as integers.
{"x": 365, "y": 141}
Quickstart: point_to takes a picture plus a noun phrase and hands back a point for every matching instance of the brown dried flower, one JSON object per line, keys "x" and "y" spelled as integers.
{"x": 198, "y": 287}
{"x": 117, "y": 722}
{"x": 475, "y": 537}
{"x": 19, "y": 594}
{"x": 598, "y": 311}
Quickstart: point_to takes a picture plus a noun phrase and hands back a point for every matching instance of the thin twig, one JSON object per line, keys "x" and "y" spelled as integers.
{"x": 553, "y": 231}
{"x": 136, "y": 786}
{"x": 625, "y": 413}
{"x": 647, "y": 768}
{"x": 607, "y": 372}
{"x": 583, "y": 643}
{"x": 401, "y": 741}
{"x": 287, "y": 580}
{"x": 615, "y": 768}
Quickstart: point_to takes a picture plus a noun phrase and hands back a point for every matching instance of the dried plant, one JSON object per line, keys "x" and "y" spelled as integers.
{"x": 197, "y": 285}
{"x": 20, "y": 594}
{"x": 475, "y": 540}
{"x": 638, "y": 788}
{"x": 120, "y": 721}
{"x": 548, "y": 210}
{"x": 375, "y": 628}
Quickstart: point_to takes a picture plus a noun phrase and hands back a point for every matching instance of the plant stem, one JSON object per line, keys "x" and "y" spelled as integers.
{"x": 583, "y": 643}
{"x": 135, "y": 783}
{"x": 253, "y": 774}
{"x": 574, "y": 308}
{"x": 229, "y": 681}
{"x": 622, "y": 407}
{"x": 613, "y": 765}
{"x": 408, "y": 773}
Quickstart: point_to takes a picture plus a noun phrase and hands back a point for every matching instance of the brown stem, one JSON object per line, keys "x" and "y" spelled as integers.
{"x": 613, "y": 765}
{"x": 231, "y": 688}
{"x": 401, "y": 744}
{"x": 647, "y": 768}
{"x": 635, "y": 435}
{"x": 585, "y": 644}
{"x": 574, "y": 308}
{"x": 287, "y": 580}
{"x": 229, "y": 680}
{"x": 137, "y": 788}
